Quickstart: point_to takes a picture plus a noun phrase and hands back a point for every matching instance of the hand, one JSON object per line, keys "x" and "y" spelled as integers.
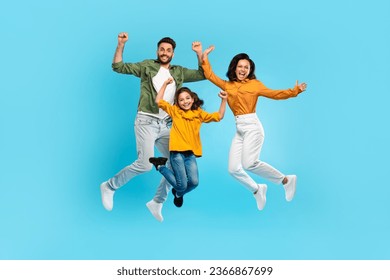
{"x": 168, "y": 81}
{"x": 223, "y": 94}
{"x": 197, "y": 47}
{"x": 302, "y": 86}
{"x": 123, "y": 37}
{"x": 207, "y": 51}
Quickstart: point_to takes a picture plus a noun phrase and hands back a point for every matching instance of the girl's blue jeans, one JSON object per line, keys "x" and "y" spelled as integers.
{"x": 184, "y": 175}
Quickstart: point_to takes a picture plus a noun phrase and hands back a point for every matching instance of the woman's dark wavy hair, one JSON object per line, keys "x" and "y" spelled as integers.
{"x": 198, "y": 103}
{"x": 231, "y": 73}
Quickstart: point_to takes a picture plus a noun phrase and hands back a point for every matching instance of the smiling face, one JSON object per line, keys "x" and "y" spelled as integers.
{"x": 185, "y": 101}
{"x": 242, "y": 70}
{"x": 165, "y": 53}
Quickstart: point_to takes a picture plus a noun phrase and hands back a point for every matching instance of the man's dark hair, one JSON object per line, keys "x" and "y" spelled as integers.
{"x": 167, "y": 40}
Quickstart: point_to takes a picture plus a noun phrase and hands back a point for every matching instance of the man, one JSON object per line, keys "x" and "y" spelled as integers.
{"x": 152, "y": 124}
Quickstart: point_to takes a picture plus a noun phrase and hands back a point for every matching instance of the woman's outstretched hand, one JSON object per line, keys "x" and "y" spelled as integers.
{"x": 207, "y": 51}
{"x": 301, "y": 86}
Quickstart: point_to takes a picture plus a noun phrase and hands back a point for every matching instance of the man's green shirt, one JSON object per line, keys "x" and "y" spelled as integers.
{"x": 146, "y": 70}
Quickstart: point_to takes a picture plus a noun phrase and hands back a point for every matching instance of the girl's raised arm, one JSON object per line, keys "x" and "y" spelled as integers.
{"x": 160, "y": 93}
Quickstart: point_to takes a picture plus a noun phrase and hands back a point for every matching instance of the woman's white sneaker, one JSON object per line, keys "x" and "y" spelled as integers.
{"x": 290, "y": 187}
{"x": 260, "y": 196}
{"x": 107, "y": 196}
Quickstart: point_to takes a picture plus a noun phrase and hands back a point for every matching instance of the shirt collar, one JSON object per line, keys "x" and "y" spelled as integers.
{"x": 170, "y": 65}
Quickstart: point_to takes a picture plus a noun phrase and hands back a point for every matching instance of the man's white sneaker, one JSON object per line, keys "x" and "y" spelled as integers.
{"x": 260, "y": 196}
{"x": 107, "y": 196}
{"x": 290, "y": 187}
{"x": 155, "y": 208}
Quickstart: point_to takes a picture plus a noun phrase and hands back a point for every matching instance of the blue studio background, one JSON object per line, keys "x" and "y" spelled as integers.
{"x": 66, "y": 124}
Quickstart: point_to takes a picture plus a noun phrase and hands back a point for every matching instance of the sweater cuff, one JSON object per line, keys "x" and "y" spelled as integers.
{"x": 297, "y": 90}
{"x": 205, "y": 61}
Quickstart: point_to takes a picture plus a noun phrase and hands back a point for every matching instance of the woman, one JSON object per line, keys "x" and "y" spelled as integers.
{"x": 184, "y": 141}
{"x": 243, "y": 92}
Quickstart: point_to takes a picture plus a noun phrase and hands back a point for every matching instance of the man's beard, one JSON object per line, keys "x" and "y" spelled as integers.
{"x": 164, "y": 62}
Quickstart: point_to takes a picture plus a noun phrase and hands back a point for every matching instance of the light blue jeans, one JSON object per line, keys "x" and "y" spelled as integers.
{"x": 184, "y": 177}
{"x": 149, "y": 132}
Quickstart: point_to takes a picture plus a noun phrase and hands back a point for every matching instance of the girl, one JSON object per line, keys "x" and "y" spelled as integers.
{"x": 243, "y": 92}
{"x": 184, "y": 142}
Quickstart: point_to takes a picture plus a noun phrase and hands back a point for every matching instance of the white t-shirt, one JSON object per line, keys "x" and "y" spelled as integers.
{"x": 162, "y": 75}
